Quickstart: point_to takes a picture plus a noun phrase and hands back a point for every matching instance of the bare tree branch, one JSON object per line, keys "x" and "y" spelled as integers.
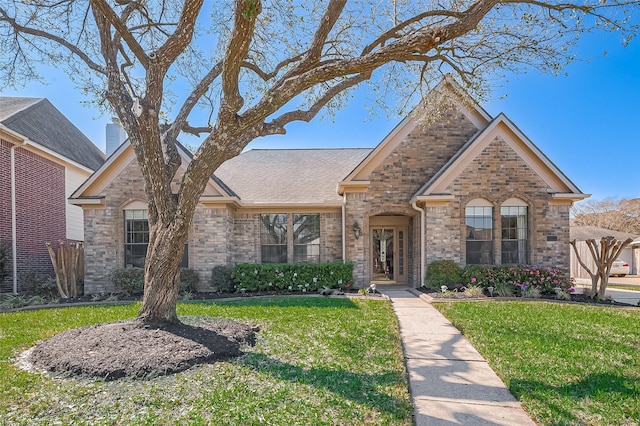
{"x": 246, "y": 12}
{"x": 114, "y": 20}
{"x": 277, "y": 125}
{"x": 4, "y": 17}
{"x": 328, "y": 21}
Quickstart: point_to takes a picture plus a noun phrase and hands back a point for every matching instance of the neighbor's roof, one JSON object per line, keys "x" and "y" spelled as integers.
{"x": 583, "y": 233}
{"x": 39, "y": 121}
{"x": 290, "y": 175}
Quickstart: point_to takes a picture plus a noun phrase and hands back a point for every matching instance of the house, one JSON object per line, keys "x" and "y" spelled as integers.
{"x": 630, "y": 254}
{"x": 468, "y": 187}
{"x": 43, "y": 159}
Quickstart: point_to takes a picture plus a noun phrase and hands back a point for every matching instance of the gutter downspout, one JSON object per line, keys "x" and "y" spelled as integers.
{"x": 422, "y": 241}
{"x": 14, "y": 230}
{"x": 344, "y": 228}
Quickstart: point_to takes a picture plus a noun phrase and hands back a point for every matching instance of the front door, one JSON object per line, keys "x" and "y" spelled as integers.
{"x": 388, "y": 252}
{"x": 383, "y": 255}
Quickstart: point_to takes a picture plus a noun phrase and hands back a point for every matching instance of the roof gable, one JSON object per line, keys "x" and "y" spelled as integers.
{"x": 37, "y": 120}
{"x": 359, "y": 176}
{"x": 91, "y": 191}
{"x": 560, "y": 185}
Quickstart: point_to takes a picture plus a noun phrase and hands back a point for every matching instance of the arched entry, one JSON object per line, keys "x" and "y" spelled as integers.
{"x": 389, "y": 249}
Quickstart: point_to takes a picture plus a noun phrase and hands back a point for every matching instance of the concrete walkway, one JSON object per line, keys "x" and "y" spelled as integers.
{"x": 450, "y": 382}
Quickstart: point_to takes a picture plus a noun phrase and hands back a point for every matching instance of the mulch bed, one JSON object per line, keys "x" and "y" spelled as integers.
{"x": 136, "y": 350}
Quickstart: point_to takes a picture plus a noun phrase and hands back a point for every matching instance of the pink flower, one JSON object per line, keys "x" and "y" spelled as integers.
{"x": 473, "y": 280}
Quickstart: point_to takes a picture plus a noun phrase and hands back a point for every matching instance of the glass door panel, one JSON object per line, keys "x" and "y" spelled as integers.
{"x": 383, "y": 254}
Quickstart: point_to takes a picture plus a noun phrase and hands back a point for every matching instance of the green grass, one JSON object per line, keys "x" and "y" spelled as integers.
{"x": 624, "y": 287}
{"x": 568, "y": 364}
{"x": 317, "y": 361}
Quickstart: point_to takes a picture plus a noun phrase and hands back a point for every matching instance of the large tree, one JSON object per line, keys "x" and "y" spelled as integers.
{"x": 256, "y": 66}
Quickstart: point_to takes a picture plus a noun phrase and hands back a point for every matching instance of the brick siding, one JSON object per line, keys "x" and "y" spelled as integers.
{"x": 496, "y": 175}
{"x": 40, "y": 208}
{"x": 218, "y": 236}
{"x": 411, "y": 164}
{"x": 226, "y": 236}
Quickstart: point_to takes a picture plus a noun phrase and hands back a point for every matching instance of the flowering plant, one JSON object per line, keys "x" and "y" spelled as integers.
{"x": 521, "y": 278}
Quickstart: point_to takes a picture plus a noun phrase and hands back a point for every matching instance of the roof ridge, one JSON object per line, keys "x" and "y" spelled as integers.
{"x": 24, "y": 107}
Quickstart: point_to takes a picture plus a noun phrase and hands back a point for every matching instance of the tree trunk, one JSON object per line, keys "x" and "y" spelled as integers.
{"x": 162, "y": 274}
{"x": 594, "y": 284}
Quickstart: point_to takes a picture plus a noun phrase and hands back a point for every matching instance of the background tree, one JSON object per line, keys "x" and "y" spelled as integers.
{"x": 256, "y": 66}
{"x": 621, "y": 215}
{"x": 604, "y": 254}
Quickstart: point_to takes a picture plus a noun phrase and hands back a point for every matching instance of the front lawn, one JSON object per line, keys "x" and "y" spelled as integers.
{"x": 568, "y": 364}
{"x": 317, "y": 361}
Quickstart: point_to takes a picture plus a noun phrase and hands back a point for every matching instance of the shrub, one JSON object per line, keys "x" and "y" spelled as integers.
{"x": 531, "y": 292}
{"x": 12, "y": 301}
{"x": 503, "y": 289}
{"x": 563, "y": 295}
{"x": 519, "y": 277}
{"x": 221, "y": 279}
{"x": 443, "y": 272}
{"x": 5, "y": 260}
{"x": 475, "y": 275}
{"x": 36, "y": 283}
{"x": 473, "y": 291}
{"x": 129, "y": 281}
{"x": 189, "y": 280}
{"x": 290, "y": 276}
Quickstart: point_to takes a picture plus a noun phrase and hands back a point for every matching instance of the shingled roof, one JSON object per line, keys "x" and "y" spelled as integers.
{"x": 283, "y": 176}
{"x": 39, "y": 121}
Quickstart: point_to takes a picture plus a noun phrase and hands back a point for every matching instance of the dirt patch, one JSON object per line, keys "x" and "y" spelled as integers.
{"x": 136, "y": 350}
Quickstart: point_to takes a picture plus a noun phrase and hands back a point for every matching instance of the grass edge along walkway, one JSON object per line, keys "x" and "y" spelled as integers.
{"x": 317, "y": 361}
{"x": 568, "y": 364}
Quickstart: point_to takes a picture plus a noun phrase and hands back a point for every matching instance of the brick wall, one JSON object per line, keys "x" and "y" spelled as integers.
{"x": 5, "y": 206}
{"x": 209, "y": 241}
{"x": 496, "y": 175}
{"x": 40, "y": 208}
{"x": 104, "y": 229}
{"x": 5, "y": 191}
{"x": 218, "y": 236}
{"x": 245, "y": 246}
{"x": 226, "y": 236}
{"x": 412, "y": 163}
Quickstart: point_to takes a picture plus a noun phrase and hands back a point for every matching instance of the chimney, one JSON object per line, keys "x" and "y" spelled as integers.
{"x": 115, "y": 135}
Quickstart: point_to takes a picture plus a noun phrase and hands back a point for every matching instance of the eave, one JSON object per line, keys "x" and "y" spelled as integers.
{"x": 353, "y": 186}
{"x": 90, "y": 201}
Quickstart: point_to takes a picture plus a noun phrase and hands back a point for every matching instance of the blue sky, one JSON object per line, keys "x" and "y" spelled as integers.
{"x": 587, "y": 123}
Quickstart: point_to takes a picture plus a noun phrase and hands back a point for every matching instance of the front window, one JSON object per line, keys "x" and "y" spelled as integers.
{"x": 479, "y": 230}
{"x": 136, "y": 230}
{"x": 290, "y": 238}
{"x": 136, "y": 240}
{"x": 273, "y": 238}
{"x": 306, "y": 238}
{"x": 514, "y": 235}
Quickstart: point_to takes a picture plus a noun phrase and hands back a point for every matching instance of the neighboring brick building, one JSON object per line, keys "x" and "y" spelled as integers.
{"x": 43, "y": 159}
{"x": 468, "y": 187}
